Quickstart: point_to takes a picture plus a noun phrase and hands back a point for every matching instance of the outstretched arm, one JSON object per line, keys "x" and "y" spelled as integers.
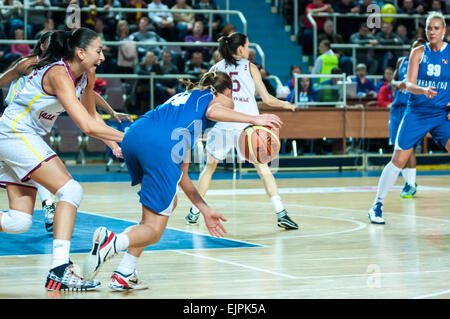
{"x": 212, "y": 218}
{"x": 56, "y": 82}
{"x": 264, "y": 94}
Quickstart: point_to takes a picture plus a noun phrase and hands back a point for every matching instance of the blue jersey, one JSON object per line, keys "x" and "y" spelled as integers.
{"x": 434, "y": 70}
{"x": 154, "y": 147}
{"x": 401, "y": 98}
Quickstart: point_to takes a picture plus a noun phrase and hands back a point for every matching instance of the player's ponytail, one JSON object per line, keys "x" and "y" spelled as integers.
{"x": 228, "y": 46}
{"x": 216, "y": 82}
{"x": 63, "y": 44}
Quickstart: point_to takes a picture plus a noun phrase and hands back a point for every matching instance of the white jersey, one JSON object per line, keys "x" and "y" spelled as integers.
{"x": 243, "y": 91}
{"x": 30, "y": 108}
{"x": 16, "y": 86}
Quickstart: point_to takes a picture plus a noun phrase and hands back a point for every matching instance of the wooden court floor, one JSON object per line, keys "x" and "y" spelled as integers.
{"x": 336, "y": 253}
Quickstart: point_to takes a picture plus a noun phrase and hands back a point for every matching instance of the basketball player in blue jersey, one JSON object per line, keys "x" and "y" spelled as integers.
{"x": 156, "y": 149}
{"x": 398, "y": 108}
{"x": 61, "y": 81}
{"x": 223, "y": 137}
{"x": 428, "y": 108}
{"x": 15, "y": 76}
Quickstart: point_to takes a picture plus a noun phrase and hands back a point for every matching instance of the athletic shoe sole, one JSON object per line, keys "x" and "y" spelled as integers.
{"x": 93, "y": 262}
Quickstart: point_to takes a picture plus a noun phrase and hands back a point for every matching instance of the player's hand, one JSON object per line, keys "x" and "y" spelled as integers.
{"x": 213, "y": 223}
{"x": 122, "y": 116}
{"x": 289, "y": 106}
{"x": 402, "y": 86}
{"x": 117, "y": 151}
{"x": 270, "y": 120}
{"x": 430, "y": 92}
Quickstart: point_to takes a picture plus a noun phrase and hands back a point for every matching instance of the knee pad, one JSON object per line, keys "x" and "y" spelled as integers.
{"x": 71, "y": 192}
{"x": 16, "y": 222}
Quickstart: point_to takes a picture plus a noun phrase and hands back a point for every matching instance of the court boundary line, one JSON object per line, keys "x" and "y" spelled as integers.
{"x": 432, "y": 295}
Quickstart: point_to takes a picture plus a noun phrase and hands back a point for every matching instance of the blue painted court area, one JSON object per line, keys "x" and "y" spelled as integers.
{"x": 38, "y": 241}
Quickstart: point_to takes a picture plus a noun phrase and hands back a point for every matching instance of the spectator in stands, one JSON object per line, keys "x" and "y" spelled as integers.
{"x": 37, "y": 18}
{"x": 163, "y": 21}
{"x": 184, "y": 21}
{"x": 386, "y": 80}
{"x": 385, "y": 95}
{"x": 48, "y": 26}
{"x": 88, "y": 17}
{"x": 408, "y": 7}
{"x": 402, "y": 32}
{"x": 345, "y": 62}
{"x": 149, "y": 66}
{"x": 127, "y": 53}
{"x": 21, "y": 49}
{"x": 109, "y": 17}
{"x": 346, "y": 26}
{"x": 326, "y": 61}
{"x": 365, "y": 86}
{"x": 198, "y": 36}
{"x": 144, "y": 35}
{"x": 365, "y": 56}
{"x": 167, "y": 86}
{"x": 216, "y": 57}
{"x": 196, "y": 66}
{"x": 328, "y": 90}
{"x": 295, "y": 69}
{"x": 133, "y": 18}
{"x": 228, "y": 29}
{"x": 59, "y": 17}
{"x": 387, "y": 37}
{"x": 217, "y": 19}
{"x": 13, "y": 17}
{"x": 306, "y": 93}
{"x": 447, "y": 33}
{"x": 436, "y": 5}
{"x": 307, "y": 38}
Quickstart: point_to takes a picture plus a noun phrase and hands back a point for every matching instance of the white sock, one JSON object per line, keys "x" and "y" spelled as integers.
{"x": 128, "y": 264}
{"x": 411, "y": 176}
{"x": 61, "y": 249}
{"x": 277, "y": 203}
{"x": 405, "y": 174}
{"x": 195, "y": 210}
{"x": 44, "y": 194}
{"x": 387, "y": 180}
{"x": 122, "y": 242}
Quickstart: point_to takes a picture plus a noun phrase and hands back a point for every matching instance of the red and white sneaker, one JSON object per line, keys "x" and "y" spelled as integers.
{"x": 103, "y": 248}
{"x": 120, "y": 282}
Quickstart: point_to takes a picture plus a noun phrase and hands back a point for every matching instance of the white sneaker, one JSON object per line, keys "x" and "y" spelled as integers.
{"x": 376, "y": 214}
{"x": 103, "y": 248}
{"x": 120, "y": 282}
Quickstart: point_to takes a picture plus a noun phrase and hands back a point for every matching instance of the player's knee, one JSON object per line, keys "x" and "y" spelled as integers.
{"x": 71, "y": 192}
{"x": 16, "y": 222}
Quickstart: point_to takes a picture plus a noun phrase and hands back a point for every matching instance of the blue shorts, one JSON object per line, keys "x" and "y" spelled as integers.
{"x": 150, "y": 164}
{"x": 395, "y": 118}
{"x": 416, "y": 125}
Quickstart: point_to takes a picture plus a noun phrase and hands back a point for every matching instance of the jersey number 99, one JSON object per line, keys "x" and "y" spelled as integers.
{"x": 434, "y": 70}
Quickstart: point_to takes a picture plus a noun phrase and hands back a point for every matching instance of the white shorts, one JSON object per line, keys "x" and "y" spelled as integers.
{"x": 20, "y": 155}
{"x": 220, "y": 142}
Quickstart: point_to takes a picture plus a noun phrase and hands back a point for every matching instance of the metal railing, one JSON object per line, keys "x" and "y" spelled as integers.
{"x": 27, "y": 8}
{"x": 354, "y": 47}
{"x": 258, "y": 48}
{"x": 334, "y": 16}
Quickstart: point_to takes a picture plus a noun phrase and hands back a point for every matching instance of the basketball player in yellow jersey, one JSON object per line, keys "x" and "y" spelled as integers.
{"x": 223, "y": 137}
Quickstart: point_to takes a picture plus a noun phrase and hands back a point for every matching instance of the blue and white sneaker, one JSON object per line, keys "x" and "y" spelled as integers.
{"x": 408, "y": 191}
{"x": 375, "y": 214}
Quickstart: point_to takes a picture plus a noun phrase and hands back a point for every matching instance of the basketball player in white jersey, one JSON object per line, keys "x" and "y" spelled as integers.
{"x": 224, "y": 136}
{"x": 15, "y": 76}
{"x": 61, "y": 81}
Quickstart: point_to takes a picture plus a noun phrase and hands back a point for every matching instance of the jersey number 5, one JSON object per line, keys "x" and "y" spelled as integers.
{"x": 434, "y": 70}
{"x": 238, "y": 85}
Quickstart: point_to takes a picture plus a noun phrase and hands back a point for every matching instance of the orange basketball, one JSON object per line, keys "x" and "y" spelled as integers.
{"x": 259, "y": 144}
